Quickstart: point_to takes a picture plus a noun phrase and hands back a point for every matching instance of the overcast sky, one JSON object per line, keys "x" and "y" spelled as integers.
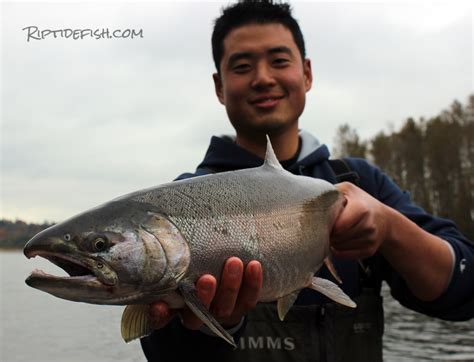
{"x": 84, "y": 121}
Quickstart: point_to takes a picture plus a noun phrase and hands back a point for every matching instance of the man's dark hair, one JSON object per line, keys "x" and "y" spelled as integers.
{"x": 253, "y": 12}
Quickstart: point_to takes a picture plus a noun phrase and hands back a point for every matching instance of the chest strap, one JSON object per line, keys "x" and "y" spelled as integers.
{"x": 343, "y": 172}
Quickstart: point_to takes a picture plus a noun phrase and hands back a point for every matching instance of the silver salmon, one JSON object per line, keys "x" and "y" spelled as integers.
{"x": 154, "y": 244}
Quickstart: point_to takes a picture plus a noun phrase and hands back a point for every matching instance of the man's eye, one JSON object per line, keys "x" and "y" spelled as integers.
{"x": 240, "y": 68}
{"x": 281, "y": 61}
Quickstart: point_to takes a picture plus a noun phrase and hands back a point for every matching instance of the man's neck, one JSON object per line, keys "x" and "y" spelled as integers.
{"x": 285, "y": 144}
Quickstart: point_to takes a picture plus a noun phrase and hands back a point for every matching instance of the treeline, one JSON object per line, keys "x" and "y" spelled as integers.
{"x": 15, "y": 234}
{"x": 433, "y": 159}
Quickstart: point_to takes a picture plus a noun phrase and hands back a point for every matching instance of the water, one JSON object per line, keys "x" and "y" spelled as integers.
{"x": 413, "y": 337}
{"x": 38, "y": 327}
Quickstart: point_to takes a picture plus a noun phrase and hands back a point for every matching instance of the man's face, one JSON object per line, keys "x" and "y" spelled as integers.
{"x": 263, "y": 80}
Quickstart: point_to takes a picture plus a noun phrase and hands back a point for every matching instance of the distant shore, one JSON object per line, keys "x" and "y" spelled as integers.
{"x": 15, "y": 234}
{"x": 3, "y": 249}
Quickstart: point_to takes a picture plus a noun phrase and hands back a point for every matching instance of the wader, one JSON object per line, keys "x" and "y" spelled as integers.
{"x": 312, "y": 333}
{"x": 309, "y": 333}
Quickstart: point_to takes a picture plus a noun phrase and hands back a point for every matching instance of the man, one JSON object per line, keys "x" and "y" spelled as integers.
{"x": 262, "y": 78}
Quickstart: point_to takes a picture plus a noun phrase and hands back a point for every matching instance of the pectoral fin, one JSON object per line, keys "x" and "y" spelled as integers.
{"x": 332, "y": 291}
{"x": 285, "y": 303}
{"x": 188, "y": 291}
{"x": 135, "y": 322}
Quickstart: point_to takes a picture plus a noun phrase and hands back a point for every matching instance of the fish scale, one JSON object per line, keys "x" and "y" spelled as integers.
{"x": 248, "y": 214}
{"x": 155, "y": 243}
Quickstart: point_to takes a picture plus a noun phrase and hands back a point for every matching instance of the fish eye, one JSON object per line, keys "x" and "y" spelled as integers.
{"x": 99, "y": 244}
{"x": 67, "y": 237}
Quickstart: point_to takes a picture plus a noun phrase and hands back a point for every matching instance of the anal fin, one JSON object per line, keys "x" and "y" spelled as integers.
{"x": 135, "y": 322}
{"x": 188, "y": 291}
{"x": 332, "y": 291}
{"x": 285, "y": 303}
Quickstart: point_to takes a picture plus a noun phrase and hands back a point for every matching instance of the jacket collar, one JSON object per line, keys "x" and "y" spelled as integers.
{"x": 224, "y": 155}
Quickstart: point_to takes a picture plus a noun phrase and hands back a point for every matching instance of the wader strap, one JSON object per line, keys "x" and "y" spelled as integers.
{"x": 343, "y": 172}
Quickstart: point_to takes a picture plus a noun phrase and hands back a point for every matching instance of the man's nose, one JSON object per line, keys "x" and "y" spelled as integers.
{"x": 263, "y": 76}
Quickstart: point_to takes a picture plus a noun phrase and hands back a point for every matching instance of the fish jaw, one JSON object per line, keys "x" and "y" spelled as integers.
{"x": 68, "y": 257}
{"x": 75, "y": 288}
{"x": 90, "y": 280}
{"x": 86, "y": 288}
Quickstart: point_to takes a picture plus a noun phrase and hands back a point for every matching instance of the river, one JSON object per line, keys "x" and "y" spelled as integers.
{"x": 36, "y": 326}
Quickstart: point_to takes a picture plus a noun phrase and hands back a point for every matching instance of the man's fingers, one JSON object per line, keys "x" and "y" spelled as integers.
{"x": 231, "y": 280}
{"x": 205, "y": 290}
{"x": 238, "y": 292}
{"x": 351, "y": 218}
{"x": 251, "y": 287}
{"x": 345, "y": 187}
{"x": 160, "y": 314}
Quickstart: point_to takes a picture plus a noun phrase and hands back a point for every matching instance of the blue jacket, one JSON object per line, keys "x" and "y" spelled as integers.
{"x": 456, "y": 303}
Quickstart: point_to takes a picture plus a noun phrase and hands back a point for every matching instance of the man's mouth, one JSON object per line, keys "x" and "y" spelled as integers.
{"x": 266, "y": 102}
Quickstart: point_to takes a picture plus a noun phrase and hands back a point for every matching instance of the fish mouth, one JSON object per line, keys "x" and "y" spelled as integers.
{"x": 83, "y": 284}
{"x": 90, "y": 278}
{"x": 78, "y": 270}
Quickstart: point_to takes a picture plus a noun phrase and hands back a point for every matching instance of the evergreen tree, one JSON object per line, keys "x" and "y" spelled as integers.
{"x": 348, "y": 143}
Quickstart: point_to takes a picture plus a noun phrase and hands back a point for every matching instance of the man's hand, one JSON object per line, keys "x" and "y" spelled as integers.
{"x": 366, "y": 225}
{"x": 362, "y": 226}
{"x": 238, "y": 293}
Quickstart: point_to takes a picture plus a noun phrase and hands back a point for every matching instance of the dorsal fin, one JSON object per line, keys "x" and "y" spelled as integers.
{"x": 270, "y": 158}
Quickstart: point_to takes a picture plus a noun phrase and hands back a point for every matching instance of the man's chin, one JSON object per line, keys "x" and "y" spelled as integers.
{"x": 272, "y": 127}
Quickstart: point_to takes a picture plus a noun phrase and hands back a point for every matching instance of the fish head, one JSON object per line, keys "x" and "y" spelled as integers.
{"x": 118, "y": 253}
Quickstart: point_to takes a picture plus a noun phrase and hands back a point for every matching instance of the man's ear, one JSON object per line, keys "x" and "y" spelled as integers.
{"x": 218, "y": 87}
{"x": 308, "y": 74}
